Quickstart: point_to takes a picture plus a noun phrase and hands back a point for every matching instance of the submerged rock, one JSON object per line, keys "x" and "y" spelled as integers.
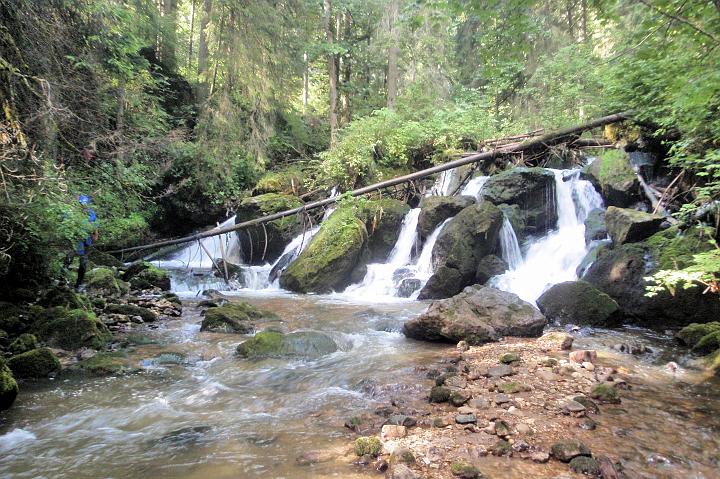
{"x": 477, "y": 315}
{"x": 8, "y": 386}
{"x": 234, "y": 318}
{"x": 34, "y": 364}
{"x": 273, "y": 344}
{"x": 436, "y": 209}
{"x": 629, "y": 226}
{"x": 465, "y": 240}
{"x": 104, "y": 364}
{"x": 579, "y": 302}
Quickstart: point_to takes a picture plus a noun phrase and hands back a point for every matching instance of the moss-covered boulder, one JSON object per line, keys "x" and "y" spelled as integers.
{"x": 287, "y": 181}
{"x": 614, "y": 178}
{"x": 707, "y": 344}
{"x": 110, "y": 363}
{"x": 383, "y": 220}
{"x": 146, "y": 314}
{"x": 234, "y": 318}
{"x": 436, "y": 209}
{"x": 23, "y": 343}
{"x": 367, "y": 446}
{"x": 8, "y": 386}
{"x": 34, "y": 364}
{"x": 532, "y": 190}
{"x": 629, "y": 226}
{"x": 66, "y": 297}
{"x": 595, "y": 228}
{"x": 15, "y": 319}
{"x": 579, "y": 302}
{"x": 150, "y": 277}
{"x": 691, "y": 334}
{"x": 605, "y": 393}
{"x": 621, "y": 271}
{"x": 71, "y": 329}
{"x": 279, "y": 232}
{"x": 470, "y": 236}
{"x": 103, "y": 281}
{"x": 328, "y": 261}
{"x": 274, "y": 344}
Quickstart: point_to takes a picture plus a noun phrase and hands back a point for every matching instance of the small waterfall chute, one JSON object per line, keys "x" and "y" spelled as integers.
{"x": 474, "y": 186}
{"x": 509, "y": 245}
{"x": 201, "y": 255}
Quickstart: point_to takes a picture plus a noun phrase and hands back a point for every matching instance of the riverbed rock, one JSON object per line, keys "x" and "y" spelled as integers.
{"x": 488, "y": 267}
{"x": 531, "y": 189}
{"x": 595, "y": 228}
{"x": 585, "y": 465}
{"x": 35, "y": 364}
{"x": 614, "y": 178}
{"x": 471, "y": 235}
{"x": 605, "y": 393}
{"x": 566, "y": 451}
{"x": 328, "y": 261}
{"x": 629, "y": 226}
{"x": 71, "y": 329}
{"x": 104, "y": 281}
{"x": 234, "y": 318}
{"x": 66, "y": 297}
{"x": 279, "y": 232}
{"x": 23, "y": 343}
{"x": 621, "y": 271}
{"x": 579, "y": 302}
{"x": 109, "y": 363}
{"x": 16, "y": 319}
{"x": 8, "y": 386}
{"x": 436, "y": 209}
{"x": 477, "y": 315}
{"x": 401, "y": 471}
{"x": 691, "y": 334}
{"x": 273, "y": 344}
{"x": 147, "y": 315}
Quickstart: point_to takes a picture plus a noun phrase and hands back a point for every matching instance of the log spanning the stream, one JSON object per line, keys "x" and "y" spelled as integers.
{"x": 537, "y": 141}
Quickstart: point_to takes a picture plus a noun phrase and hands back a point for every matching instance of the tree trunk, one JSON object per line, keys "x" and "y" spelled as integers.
{"x": 203, "y": 50}
{"x": 306, "y": 82}
{"x": 169, "y": 37}
{"x": 393, "y": 53}
{"x": 332, "y": 71}
{"x": 569, "y": 14}
{"x": 346, "y": 72}
{"x": 192, "y": 31}
{"x": 217, "y": 56}
{"x": 583, "y": 8}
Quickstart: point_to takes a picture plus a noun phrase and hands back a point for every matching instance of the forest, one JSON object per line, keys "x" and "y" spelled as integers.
{"x": 171, "y": 117}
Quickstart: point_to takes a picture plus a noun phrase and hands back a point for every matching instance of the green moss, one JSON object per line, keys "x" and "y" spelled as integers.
{"x": 691, "y": 334}
{"x": 63, "y": 296}
{"x": 605, "y": 393}
{"x": 510, "y": 387}
{"x": 440, "y": 380}
{"x": 150, "y": 277}
{"x": 15, "y": 319}
{"x": 104, "y": 280}
{"x": 615, "y": 168}
{"x": 71, "y": 328}
{"x": 273, "y": 344}
{"x": 457, "y": 399}
{"x": 132, "y": 310}
{"x": 8, "y": 386}
{"x": 234, "y": 318}
{"x": 585, "y": 465}
{"x": 104, "y": 364}
{"x": 439, "y": 394}
{"x": 367, "y": 446}
{"x": 287, "y": 181}
{"x": 674, "y": 249}
{"x": 23, "y": 343}
{"x": 502, "y": 448}
{"x": 464, "y": 470}
{"x": 34, "y": 364}
{"x": 708, "y": 344}
{"x": 509, "y": 358}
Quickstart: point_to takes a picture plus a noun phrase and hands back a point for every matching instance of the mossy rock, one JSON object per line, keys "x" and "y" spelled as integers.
{"x": 234, "y": 318}
{"x": 34, "y": 364}
{"x": 103, "y": 280}
{"x": 628, "y": 226}
{"x": 105, "y": 364}
{"x": 288, "y": 181}
{"x": 581, "y": 303}
{"x": 568, "y": 450}
{"x": 691, "y": 334}
{"x": 439, "y": 394}
{"x": 511, "y": 388}
{"x": 585, "y": 465}
{"x": 613, "y": 176}
{"x": 278, "y": 232}
{"x": 595, "y": 228}
{"x": 605, "y": 393}
{"x": 132, "y": 310}
{"x": 151, "y": 277}
{"x": 101, "y": 258}
{"x": 463, "y": 470}
{"x": 8, "y": 386}
{"x": 15, "y": 320}
{"x": 707, "y": 344}
{"x": 71, "y": 329}
{"x": 502, "y": 448}
{"x": 64, "y": 296}
{"x": 327, "y": 263}
{"x": 509, "y": 358}
{"x": 274, "y": 344}
{"x": 674, "y": 248}
{"x": 367, "y": 446}
{"x": 173, "y": 298}
{"x": 436, "y": 209}
{"x": 383, "y": 220}
{"x": 23, "y": 343}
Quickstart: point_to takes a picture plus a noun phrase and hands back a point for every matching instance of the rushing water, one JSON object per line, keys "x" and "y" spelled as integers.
{"x": 201, "y": 255}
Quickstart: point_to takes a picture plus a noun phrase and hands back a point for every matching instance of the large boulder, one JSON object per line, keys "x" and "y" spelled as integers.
{"x": 279, "y": 232}
{"x": 274, "y": 344}
{"x": 234, "y": 318}
{"x": 383, "y": 220}
{"x": 579, "y": 302}
{"x": 436, "y": 209}
{"x": 614, "y": 178}
{"x": 34, "y": 364}
{"x": 8, "y": 386}
{"x": 621, "y": 271}
{"x": 470, "y": 236}
{"x": 15, "y": 319}
{"x": 628, "y": 226}
{"x": 532, "y": 190}
{"x": 488, "y": 267}
{"x": 595, "y": 228}
{"x": 477, "y": 315}
{"x": 328, "y": 261}
{"x": 71, "y": 329}
{"x": 103, "y": 281}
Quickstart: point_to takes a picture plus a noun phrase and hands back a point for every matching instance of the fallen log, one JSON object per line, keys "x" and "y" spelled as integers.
{"x": 546, "y": 140}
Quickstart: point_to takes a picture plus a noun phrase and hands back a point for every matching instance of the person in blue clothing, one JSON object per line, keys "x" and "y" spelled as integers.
{"x": 85, "y": 244}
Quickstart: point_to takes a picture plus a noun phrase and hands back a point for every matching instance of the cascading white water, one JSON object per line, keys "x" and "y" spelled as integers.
{"x": 475, "y": 186}
{"x": 509, "y": 245}
{"x": 555, "y": 257}
{"x": 443, "y": 184}
{"x": 194, "y": 256}
{"x": 424, "y": 262}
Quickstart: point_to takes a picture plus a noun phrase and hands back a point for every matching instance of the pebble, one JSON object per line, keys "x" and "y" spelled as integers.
{"x": 401, "y": 471}
{"x": 500, "y": 371}
{"x": 540, "y": 457}
{"x": 465, "y": 419}
{"x": 502, "y": 398}
{"x": 523, "y": 429}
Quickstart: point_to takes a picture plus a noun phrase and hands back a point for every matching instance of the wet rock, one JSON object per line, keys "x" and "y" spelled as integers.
{"x": 8, "y": 386}
{"x": 583, "y": 355}
{"x": 185, "y": 436}
{"x": 401, "y": 471}
{"x": 612, "y": 175}
{"x": 509, "y": 358}
{"x": 401, "y": 420}
{"x": 408, "y": 286}
{"x": 477, "y": 315}
{"x": 439, "y": 394}
{"x": 35, "y": 364}
{"x": 104, "y": 364}
{"x": 629, "y": 226}
{"x": 607, "y": 468}
{"x": 560, "y": 340}
{"x": 595, "y": 228}
{"x": 587, "y": 424}
{"x": 589, "y": 404}
{"x": 579, "y": 302}
{"x": 466, "y": 419}
{"x": 71, "y": 329}
{"x": 441, "y": 379}
{"x": 520, "y": 446}
{"x": 367, "y": 446}
{"x": 234, "y": 318}
{"x": 502, "y": 448}
{"x": 381, "y": 465}
{"x": 585, "y": 465}
{"x": 436, "y": 209}
{"x": 390, "y": 431}
{"x": 691, "y": 334}
{"x": 605, "y": 394}
{"x": 147, "y": 315}
{"x": 568, "y": 450}
{"x": 143, "y": 275}
{"x": 273, "y": 344}
{"x": 308, "y": 458}
{"x": 488, "y": 267}
{"x": 464, "y": 470}
{"x": 635, "y": 349}
{"x": 23, "y": 343}
{"x": 573, "y": 407}
{"x": 463, "y": 242}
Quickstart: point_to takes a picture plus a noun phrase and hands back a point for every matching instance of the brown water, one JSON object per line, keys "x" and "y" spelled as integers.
{"x": 249, "y": 419}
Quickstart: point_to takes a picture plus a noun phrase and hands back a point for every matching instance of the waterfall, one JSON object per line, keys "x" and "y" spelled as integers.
{"x": 555, "y": 257}
{"x": 424, "y": 262}
{"x": 475, "y": 186}
{"x": 194, "y": 256}
{"x": 509, "y": 245}
{"x": 443, "y": 184}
